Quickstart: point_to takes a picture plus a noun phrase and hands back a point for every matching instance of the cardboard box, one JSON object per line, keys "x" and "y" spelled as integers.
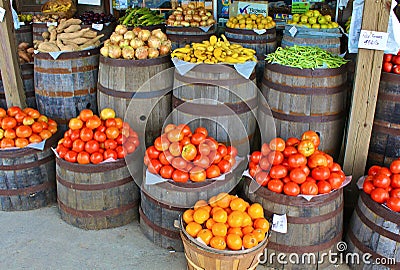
{"x": 242, "y": 7}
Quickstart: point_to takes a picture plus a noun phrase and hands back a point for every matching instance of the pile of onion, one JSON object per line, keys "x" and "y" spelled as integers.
{"x": 191, "y": 16}
{"x": 136, "y": 44}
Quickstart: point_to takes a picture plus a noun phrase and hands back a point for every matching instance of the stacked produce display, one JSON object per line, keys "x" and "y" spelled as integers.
{"x": 227, "y": 222}
{"x": 20, "y": 127}
{"x": 42, "y": 18}
{"x": 90, "y": 17}
{"x": 191, "y": 16}
{"x": 26, "y": 18}
{"x": 391, "y": 63}
{"x": 296, "y": 166}
{"x": 251, "y": 21}
{"x": 180, "y": 155}
{"x": 25, "y": 53}
{"x": 136, "y": 44}
{"x": 93, "y": 139}
{"x": 141, "y": 17}
{"x": 313, "y": 19}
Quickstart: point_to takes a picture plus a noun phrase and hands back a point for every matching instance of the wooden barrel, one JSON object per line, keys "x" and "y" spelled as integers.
{"x": 263, "y": 44}
{"x": 218, "y": 98}
{"x": 67, "y": 85}
{"x": 207, "y": 258}
{"x": 27, "y": 80}
{"x": 38, "y": 29}
{"x": 27, "y": 177}
{"x": 99, "y": 196}
{"x": 384, "y": 145}
{"x": 306, "y": 99}
{"x": 180, "y": 36}
{"x": 119, "y": 82}
{"x": 313, "y": 227}
{"x": 374, "y": 230}
{"x": 163, "y": 203}
{"x": 24, "y": 34}
{"x": 327, "y": 39}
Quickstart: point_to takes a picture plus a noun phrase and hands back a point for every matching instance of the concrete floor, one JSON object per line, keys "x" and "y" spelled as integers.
{"x": 39, "y": 239}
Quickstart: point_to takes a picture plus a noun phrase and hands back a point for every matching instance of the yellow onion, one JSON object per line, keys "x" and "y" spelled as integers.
{"x": 136, "y": 30}
{"x": 107, "y": 42}
{"x": 129, "y": 35}
{"x": 144, "y": 34}
{"x": 128, "y": 52}
{"x": 116, "y": 38}
{"x": 179, "y": 17}
{"x": 154, "y": 42}
{"x": 159, "y": 34}
{"x": 136, "y": 43}
{"x": 164, "y": 50}
{"x": 123, "y": 43}
{"x": 196, "y": 18}
{"x": 153, "y": 53}
{"x": 210, "y": 21}
{"x": 142, "y": 52}
{"x": 121, "y": 29}
{"x": 104, "y": 51}
{"x": 114, "y": 51}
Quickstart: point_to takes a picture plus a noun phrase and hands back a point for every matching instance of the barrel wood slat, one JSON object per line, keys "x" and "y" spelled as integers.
{"x": 181, "y": 36}
{"x": 217, "y": 97}
{"x": 163, "y": 203}
{"x": 24, "y": 34}
{"x": 385, "y": 137}
{"x": 27, "y": 79}
{"x": 67, "y": 85}
{"x": 314, "y": 226}
{"x": 119, "y": 82}
{"x": 27, "y": 177}
{"x": 306, "y": 99}
{"x": 97, "y": 196}
{"x": 38, "y": 29}
{"x": 374, "y": 229}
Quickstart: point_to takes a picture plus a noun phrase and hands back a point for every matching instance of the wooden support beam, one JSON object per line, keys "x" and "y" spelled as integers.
{"x": 365, "y": 92}
{"x": 9, "y": 65}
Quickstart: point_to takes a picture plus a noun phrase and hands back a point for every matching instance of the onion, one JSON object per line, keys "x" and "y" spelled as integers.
{"x": 141, "y": 53}
{"x": 176, "y": 12}
{"x": 116, "y": 38}
{"x": 129, "y": 35}
{"x": 136, "y": 43}
{"x": 136, "y": 30}
{"x": 159, "y": 34}
{"x": 202, "y": 12}
{"x": 188, "y": 18}
{"x": 107, "y": 42}
{"x": 171, "y": 17}
{"x": 210, "y": 21}
{"x": 114, "y": 51}
{"x": 191, "y": 6}
{"x": 123, "y": 43}
{"x": 154, "y": 42}
{"x": 197, "y": 18}
{"x": 153, "y": 53}
{"x": 204, "y": 18}
{"x": 177, "y": 23}
{"x": 179, "y": 9}
{"x": 104, "y": 51}
{"x": 203, "y": 23}
{"x": 170, "y": 22}
{"x": 179, "y": 17}
{"x": 194, "y": 24}
{"x": 128, "y": 52}
{"x": 121, "y": 29}
{"x": 164, "y": 49}
{"x": 190, "y": 12}
{"x": 144, "y": 35}
{"x": 185, "y": 24}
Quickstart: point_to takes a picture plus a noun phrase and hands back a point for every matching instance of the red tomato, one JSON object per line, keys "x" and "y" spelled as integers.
{"x": 112, "y": 132}
{"x": 298, "y": 176}
{"x": 109, "y": 153}
{"x": 264, "y": 164}
{"x": 184, "y": 129}
{"x": 217, "y": 157}
{"x": 310, "y": 179}
{"x": 197, "y": 174}
{"x": 286, "y": 179}
{"x": 387, "y": 67}
{"x": 291, "y": 189}
{"x": 184, "y": 141}
{"x": 394, "y": 204}
{"x": 265, "y": 149}
{"x": 297, "y": 160}
{"x": 278, "y": 171}
{"x": 121, "y": 151}
{"x": 385, "y": 171}
{"x": 292, "y": 141}
{"x": 275, "y": 157}
{"x": 154, "y": 166}
{"x": 312, "y": 136}
{"x": 387, "y": 57}
{"x": 74, "y": 135}
{"x": 335, "y": 180}
{"x": 317, "y": 159}
{"x": 374, "y": 170}
{"x": 71, "y": 156}
{"x": 96, "y": 158}
{"x": 289, "y": 150}
{"x": 306, "y": 148}
{"x": 134, "y": 140}
{"x": 396, "y": 69}
{"x": 324, "y": 187}
{"x": 180, "y": 176}
{"x": 275, "y": 185}
{"x": 395, "y": 166}
{"x": 101, "y": 128}
{"x": 99, "y": 136}
{"x": 309, "y": 188}
{"x": 175, "y": 149}
{"x": 130, "y": 147}
{"x": 61, "y": 150}
{"x": 204, "y": 149}
{"x": 152, "y": 152}
{"x": 202, "y": 161}
{"x": 379, "y": 195}
{"x": 277, "y": 144}
{"x": 189, "y": 152}
{"x": 161, "y": 143}
{"x": 222, "y": 149}
{"x": 78, "y": 145}
{"x": 197, "y": 138}
{"x": 179, "y": 163}
{"x": 255, "y": 157}
{"x": 305, "y": 169}
{"x": 86, "y": 134}
{"x": 163, "y": 159}
{"x": 213, "y": 171}
{"x": 201, "y": 130}
{"x": 381, "y": 181}
{"x": 67, "y": 142}
{"x": 212, "y": 143}
{"x": 395, "y": 193}
{"x": 321, "y": 173}
{"x": 166, "y": 171}
{"x": 92, "y": 146}
{"x": 396, "y": 60}
{"x": 83, "y": 157}
{"x": 336, "y": 167}
{"x": 232, "y": 151}
{"x": 262, "y": 178}
{"x": 368, "y": 186}
{"x": 110, "y": 144}
{"x": 231, "y": 159}
{"x": 395, "y": 181}
{"x": 224, "y": 166}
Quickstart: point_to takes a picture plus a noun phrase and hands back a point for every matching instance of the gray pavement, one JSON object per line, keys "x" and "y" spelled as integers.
{"x": 39, "y": 239}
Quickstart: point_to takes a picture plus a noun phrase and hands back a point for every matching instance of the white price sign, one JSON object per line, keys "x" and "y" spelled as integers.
{"x": 2, "y": 13}
{"x": 279, "y": 223}
{"x": 373, "y": 40}
{"x": 97, "y": 26}
{"x": 51, "y": 23}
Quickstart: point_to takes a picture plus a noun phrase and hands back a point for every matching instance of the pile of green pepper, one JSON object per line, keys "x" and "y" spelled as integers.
{"x": 305, "y": 57}
{"x": 141, "y": 17}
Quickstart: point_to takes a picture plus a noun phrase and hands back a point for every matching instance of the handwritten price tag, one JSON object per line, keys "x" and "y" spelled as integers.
{"x": 279, "y": 223}
{"x": 51, "y": 23}
{"x": 373, "y": 40}
{"x": 97, "y": 26}
{"x": 2, "y": 13}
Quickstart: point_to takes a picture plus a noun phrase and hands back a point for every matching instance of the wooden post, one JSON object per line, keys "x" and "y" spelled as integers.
{"x": 365, "y": 92}
{"x": 9, "y": 65}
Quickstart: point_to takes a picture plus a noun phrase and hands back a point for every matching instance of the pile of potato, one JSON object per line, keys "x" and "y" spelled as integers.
{"x": 67, "y": 36}
{"x": 25, "y": 53}
{"x": 38, "y": 18}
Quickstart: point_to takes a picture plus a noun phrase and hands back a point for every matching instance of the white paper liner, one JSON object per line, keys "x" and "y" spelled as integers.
{"x": 260, "y": 31}
{"x": 206, "y": 28}
{"x": 244, "y": 69}
{"x": 38, "y": 146}
{"x": 153, "y": 179}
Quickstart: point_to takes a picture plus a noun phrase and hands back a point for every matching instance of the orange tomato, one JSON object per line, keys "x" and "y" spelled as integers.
{"x": 12, "y": 111}
{"x": 20, "y": 116}
{"x": 119, "y": 122}
{"x": 205, "y": 235}
{"x": 234, "y": 241}
{"x": 112, "y": 132}
{"x": 75, "y": 123}
{"x": 218, "y": 242}
{"x": 93, "y": 122}
{"x": 21, "y": 142}
{"x": 246, "y": 220}
{"x": 223, "y": 200}
{"x": 193, "y": 228}
{"x": 249, "y": 240}
{"x": 219, "y": 229}
{"x": 209, "y": 223}
{"x": 261, "y": 223}
{"x": 201, "y": 215}
{"x": 237, "y": 231}
{"x": 37, "y": 127}
{"x": 259, "y": 234}
{"x": 35, "y": 138}
{"x": 235, "y": 219}
{"x": 311, "y": 135}
{"x": 6, "y": 143}
{"x": 33, "y": 113}
{"x": 85, "y": 114}
{"x": 10, "y": 133}
{"x": 199, "y": 204}
{"x": 188, "y": 216}
{"x": 247, "y": 230}
{"x": 45, "y": 134}
{"x": 3, "y": 112}
{"x": 23, "y": 131}
{"x": 277, "y": 144}
{"x": 238, "y": 204}
{"x": 220, "y": 215}
{"x": 8, "y": 122}
{"x": 255, "y": 211}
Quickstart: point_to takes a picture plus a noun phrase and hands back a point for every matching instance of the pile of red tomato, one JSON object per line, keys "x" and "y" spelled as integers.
{"x": 180, "y": 155}
{"x": 383, "y": 185}
{"x": 92, "y": 139}
{"x": 296, "y": 166}
{"x": 20, "y": 127}
{"x": 391, "y": 63}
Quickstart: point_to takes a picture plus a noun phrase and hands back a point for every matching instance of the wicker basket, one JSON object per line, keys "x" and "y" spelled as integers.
{"x": 47, "y": 10}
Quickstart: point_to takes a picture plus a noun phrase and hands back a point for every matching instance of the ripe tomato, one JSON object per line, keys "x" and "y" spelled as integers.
{"x": 255, "y": 157}
{"x": 368, "y": 186}
{"x": 109, "y": 153}
{"x": 395, "y": 180}
{"x": 96, "y": 158}
{"x": 6, "y": 143}
{"x": 85, "y": 114}
{"x": 265, "y": 149}
{"x": 130, "y": 147}
{"x": 201, "y": 130}
{"x": 61, "y": 150}
{"x": 379, "y": 195}
{"x": 335, "y": 180}
{"x": 179, "y": 163}
{"x": 185, "y": 141}
{"x": 93, "y": 122}
{"x": 224, "y": 166}
{"x": 306, "y": 148}
{"x": 213, "y": 171}
{"x": 185, "y": 129}
{"x": 169, "y": 127}
{"x": 292, "y": 141}
{"x": 197, "y": 138}
{"x": 189, "y": 152}
{"x": 202, "y": 161}
{"x": 262, "y": 178}
{"x": 161, "y": 143}
{"x": 175, "y": 135}
{"x": 204, "y": 149}
{"x": 152, "y": 152}
{"x": 310, "y": 179}
{"x": 112, "y": 132}
{"x": 101, "y": 128}
{"x": 291, "y": 189}
{"x": 121, "y": 151}
{"x": 175, "y": 149}
{"x": 216, "y": 157}
{"x": 232, "y": 151}
{"x": 67, "y": 142}
{"x": 395, "y": 166}
{"x": 275, "y": 185}
{"x": 71, "y": 156}
{"x": 289, "y": 150}
{"x": 163, "y": 159}
{"x": 21, "y": 142}
{"x": 75, "y": 123}
{"x": 197, "y": 174}
{"x": 309, "y": 188}
{"x": 8, "y": 122}
{"x": 374, "y": 170}
{"x": 134, "y": 140}
{"x": 10, "y": 133}
{"x": 387, "y": 57}
{"x": 297, "y": 160}
{"x": 83, "y": 157}
{"x": 277, "y": 144}
{"x": 275, "y": 157}
{"x": 92, "y": 146}
{"x": 86, "y": 134}
{"x": 336, "y": 167}
{"x": 278, "y": 171}
{"x": 99, "y": 136}
{"x": 110, "y": 122}
{"x": 120, "y": 139}
{"x": 154, "y": 166}
{"x": 298, "y": 176}
{"x": 166, "y": 171}
{"x": 312, "y": 136}
{"x": 394, "y": 204}
{"x": 110, "y": 144}
{"x": 264, "y": 164}
{"x": 324, "y": 187}
{"x": 13, "y": 110}
{"x": 381, "y": 181}
{"x": 321, "y": 173}
{"x": 231, "y": 159}
{"x": 316, "y": 160}
{"x": 45, "y": 134}
{"x": 395, "y": 193}
{"x": 222, "y": 149}
{"x": 212, "y": 143}
{"x": 385, "y": 171}
{"x": 37, "y": 128}
{"x": 20, "y": 116}
{"x": 180, "y": 176}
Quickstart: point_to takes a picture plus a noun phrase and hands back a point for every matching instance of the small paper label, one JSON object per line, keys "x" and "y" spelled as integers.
{"x": 21, "y": 23}
{"x": 373, "y": 40}
{"x": 2, "y": 13}
{"x": 279, "y": 223}
{"x": 293, "y": 31}
{"x": 97, "y": 26}
{"x": 51, "y": 23}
